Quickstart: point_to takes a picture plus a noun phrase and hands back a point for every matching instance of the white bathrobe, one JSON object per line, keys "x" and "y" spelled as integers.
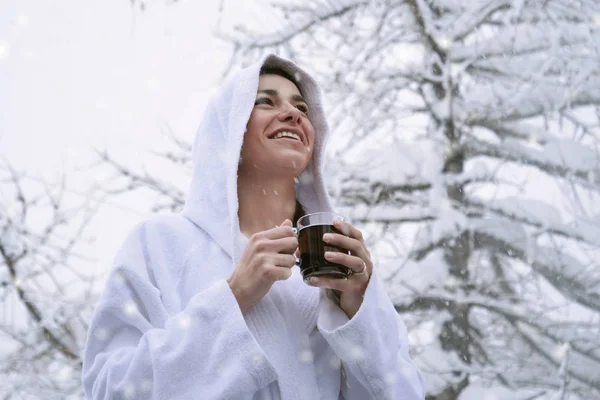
{"x": 168, "y": 326}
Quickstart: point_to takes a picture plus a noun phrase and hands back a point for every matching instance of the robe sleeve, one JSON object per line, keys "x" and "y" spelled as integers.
{"x": 373, "y": 347}
{"x": 136, "y": 349}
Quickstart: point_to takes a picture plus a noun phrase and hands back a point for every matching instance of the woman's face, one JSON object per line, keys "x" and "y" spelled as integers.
{"x": 279, "y": 137}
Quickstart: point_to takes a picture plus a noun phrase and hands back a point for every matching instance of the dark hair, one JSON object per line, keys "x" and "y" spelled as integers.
{"x": 273, "y": 70}
{"x": 298, "y": 213}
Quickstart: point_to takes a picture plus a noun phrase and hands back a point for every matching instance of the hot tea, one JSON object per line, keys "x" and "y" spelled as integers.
{"x": 312, "y": 253}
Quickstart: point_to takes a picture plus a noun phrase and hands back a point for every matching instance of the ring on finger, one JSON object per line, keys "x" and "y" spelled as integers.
{"x": 362, "y": 271}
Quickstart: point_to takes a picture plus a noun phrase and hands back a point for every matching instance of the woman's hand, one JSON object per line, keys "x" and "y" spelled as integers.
{"x": 268, "y": 257}
{"x": 351, "y": 291}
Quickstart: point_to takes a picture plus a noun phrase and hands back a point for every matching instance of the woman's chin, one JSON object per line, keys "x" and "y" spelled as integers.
{"x": 287, "y": 163}
{"x": 293, "y": 165}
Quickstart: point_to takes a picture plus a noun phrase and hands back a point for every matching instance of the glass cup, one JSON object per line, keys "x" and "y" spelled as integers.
{"x": 312, "y": 262}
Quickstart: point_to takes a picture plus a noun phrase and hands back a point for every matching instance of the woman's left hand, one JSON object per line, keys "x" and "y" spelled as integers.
{"x": 350, "y": 291}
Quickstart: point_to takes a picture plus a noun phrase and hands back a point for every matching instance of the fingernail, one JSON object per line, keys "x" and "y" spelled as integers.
{"x": 327, "y": 237}
{"x": 328, "y": 254}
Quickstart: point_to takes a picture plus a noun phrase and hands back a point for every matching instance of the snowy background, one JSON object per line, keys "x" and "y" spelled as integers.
{"x": 466, "y": 147}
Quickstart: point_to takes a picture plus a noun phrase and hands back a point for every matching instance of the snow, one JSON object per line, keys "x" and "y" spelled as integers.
{"x": 130, "y": 309}
{"x": 523, "y": 109}
{"x": 306, "y": 356}
{"x": 534, "y": 210}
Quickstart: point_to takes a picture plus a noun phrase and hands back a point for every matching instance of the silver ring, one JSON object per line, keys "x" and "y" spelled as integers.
{"x": 362, "y": 271}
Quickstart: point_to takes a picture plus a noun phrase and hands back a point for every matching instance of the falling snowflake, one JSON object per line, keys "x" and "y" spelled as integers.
{"x": 222, "y": 156}
{"x": 264, "y": 192}
{"x": 101, "y": 334}
{"x": 306, "y": 356}
{"x": 22, "y": 20}
{"x": 357, "y": 353}
{"x": 293, "y": 163}
{"x": 152, "y": 84}
{"x": 308, "y": 149}
{"x": 305, "y": 179}
{"x": 65, "y": 374}
{"x": 345, "y": 230}
{"x": 258, "y": 359}
{"x": 128, "y": 391}
{"x": 298, "y": 76}
{"x": 129, "y": 308}
{"x": 275, "y": 193}
{"x": 560, "y": 351}
{"x": 3, "y": 49}
{"x": 390, "y": 378}
{"x": 335, "y": 362}
{"x": 184, "y": 321}
{"x": 444, "y": 42}
{"x": 146, "y": 385}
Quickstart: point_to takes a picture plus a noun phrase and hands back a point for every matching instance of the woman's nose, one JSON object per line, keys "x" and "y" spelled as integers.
{"x": 290, "y": 113}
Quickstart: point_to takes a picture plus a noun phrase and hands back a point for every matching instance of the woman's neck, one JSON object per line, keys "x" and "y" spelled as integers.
{"x": 264, "y": 201}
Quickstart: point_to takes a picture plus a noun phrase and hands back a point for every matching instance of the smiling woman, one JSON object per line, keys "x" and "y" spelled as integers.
{"x": 208, "y": 303}
{"x": 278, "y": 145}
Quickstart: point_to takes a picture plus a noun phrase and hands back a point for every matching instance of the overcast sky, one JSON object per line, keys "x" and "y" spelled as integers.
{"x": 77, "y": 75}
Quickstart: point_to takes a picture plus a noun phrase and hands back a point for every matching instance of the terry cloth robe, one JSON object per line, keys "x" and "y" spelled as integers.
{"x": 168, "y": 326}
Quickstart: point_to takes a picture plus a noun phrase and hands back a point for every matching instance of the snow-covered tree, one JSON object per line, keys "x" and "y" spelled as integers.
{"x": 466, "y": 143}
{"x": 44, "y": 296}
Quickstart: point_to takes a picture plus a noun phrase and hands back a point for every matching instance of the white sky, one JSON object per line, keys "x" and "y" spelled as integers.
{"x": 81, "y": 74}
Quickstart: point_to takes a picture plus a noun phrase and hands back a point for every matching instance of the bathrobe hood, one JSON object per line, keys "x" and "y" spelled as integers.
{"x": 212, "y": 201}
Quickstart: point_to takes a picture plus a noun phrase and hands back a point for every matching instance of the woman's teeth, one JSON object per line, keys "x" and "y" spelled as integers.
{"x": 287, "y": 134}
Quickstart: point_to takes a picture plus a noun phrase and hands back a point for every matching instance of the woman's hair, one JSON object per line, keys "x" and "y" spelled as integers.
{"x": 272, "y": 70}
{"x": 298, "y": 213}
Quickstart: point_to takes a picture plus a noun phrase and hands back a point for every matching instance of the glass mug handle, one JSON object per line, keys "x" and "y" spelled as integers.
{"x": 298, "y": 260}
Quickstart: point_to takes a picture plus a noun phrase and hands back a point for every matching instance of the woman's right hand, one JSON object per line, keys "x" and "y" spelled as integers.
{"x": 268, "y": 257}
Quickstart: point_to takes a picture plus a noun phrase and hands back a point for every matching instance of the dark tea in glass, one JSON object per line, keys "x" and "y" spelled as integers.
{"x": 311, "y": 229}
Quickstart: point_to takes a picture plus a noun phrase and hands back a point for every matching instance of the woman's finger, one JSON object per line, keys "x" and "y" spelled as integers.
{"x": 342, "y": 285}
{"x": 284, "y": 260}
{"x": 356, "y": 264}
{"x": 347, "y": 243}
{"x": 348, "y": 230}
{"x": 286, "y": 245}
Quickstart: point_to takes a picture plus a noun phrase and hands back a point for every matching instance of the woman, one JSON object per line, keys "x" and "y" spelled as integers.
{"x": 208, "y": 304}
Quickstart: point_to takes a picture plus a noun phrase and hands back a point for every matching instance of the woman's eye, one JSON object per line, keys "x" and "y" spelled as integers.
{"x": 263, "y": 100}
{"x": 302, "y": 108}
